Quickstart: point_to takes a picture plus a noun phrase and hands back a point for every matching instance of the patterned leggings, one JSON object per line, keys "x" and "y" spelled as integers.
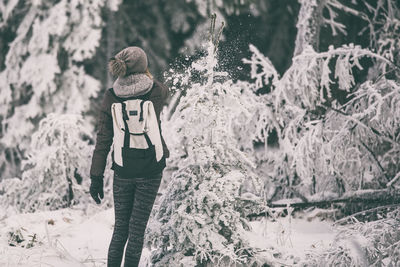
{"x": 133, "y": 201}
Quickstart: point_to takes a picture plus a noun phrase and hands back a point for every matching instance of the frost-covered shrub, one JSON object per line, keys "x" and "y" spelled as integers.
{"x": 327, "y": 147}
{"x": 374, "y": 243}
{"x": 327, "y": 144}
{"x": 358, "y": 144}
{"x": 373, "y": 130}
{"x": 198, "y": 220}
{"x": 56, "y": 170}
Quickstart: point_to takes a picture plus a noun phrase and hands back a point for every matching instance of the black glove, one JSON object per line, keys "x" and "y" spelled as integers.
{"x": 96, "y": 188}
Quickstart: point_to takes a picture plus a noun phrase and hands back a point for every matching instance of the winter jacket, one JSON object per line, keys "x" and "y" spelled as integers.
{"x": 158, "y": 94}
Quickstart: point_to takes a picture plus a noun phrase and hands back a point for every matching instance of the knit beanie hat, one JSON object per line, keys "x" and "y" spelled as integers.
{"x": 128, "y": 61}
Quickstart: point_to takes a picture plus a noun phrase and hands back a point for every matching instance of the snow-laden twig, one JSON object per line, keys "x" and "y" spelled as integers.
{"x": 267, "y": 72}
{"x": 364, "y": 125}
{"x": 63, "y": 252}
{"x": 395, "y": 179}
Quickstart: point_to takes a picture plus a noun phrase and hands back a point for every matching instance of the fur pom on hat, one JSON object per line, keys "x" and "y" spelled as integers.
{"x": 128, "y": 61}
{"x": 117, "y": 67}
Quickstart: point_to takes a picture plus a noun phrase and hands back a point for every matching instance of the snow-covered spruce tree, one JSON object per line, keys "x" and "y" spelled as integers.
{"x": 327, "y": 146}
{"x": 198, "y": 221}
{"x": 58, "y": 155}
{"x": 44, "y": 71}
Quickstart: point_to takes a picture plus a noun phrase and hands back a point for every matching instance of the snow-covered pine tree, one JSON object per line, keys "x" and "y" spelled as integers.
{"x": 44, "y": 71}
{"x": 199, "y": 220}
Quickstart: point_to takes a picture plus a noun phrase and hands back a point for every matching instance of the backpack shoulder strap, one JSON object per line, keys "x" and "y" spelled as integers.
{"x": 125, "y": 117}
{"x": 141, "y": 110}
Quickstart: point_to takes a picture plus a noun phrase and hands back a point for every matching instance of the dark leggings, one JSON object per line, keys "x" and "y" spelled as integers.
{"x": 133, "y": 201}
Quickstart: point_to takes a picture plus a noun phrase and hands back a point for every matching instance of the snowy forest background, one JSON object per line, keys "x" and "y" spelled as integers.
{"x": 284, "y": 121}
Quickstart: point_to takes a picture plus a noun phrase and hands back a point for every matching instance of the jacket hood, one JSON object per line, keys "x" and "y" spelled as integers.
{"x": 132, "y": 85}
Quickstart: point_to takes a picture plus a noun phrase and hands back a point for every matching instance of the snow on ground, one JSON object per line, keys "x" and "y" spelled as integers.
{"x": 64, "y": 237}
{"x": 291, "y": 236}
{"x": 70, "y": 238}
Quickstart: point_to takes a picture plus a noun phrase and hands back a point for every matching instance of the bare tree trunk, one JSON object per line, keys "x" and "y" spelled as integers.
{"x": 308, "y": 25}
{"x": 110, "y": 31}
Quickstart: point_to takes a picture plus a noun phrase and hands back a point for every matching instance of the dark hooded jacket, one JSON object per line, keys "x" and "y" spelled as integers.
{"x": 124, "y": 88}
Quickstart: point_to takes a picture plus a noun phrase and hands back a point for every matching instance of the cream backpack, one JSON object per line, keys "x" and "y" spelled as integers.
{"x": 137, "y": 146}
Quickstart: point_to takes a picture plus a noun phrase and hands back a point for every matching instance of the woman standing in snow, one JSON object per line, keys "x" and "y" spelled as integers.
{"x": 133, "y": 196}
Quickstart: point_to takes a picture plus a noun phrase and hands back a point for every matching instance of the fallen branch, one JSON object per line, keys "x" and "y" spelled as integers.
{"x": 352, "y": 216}
{"x": 380, "y": 196}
